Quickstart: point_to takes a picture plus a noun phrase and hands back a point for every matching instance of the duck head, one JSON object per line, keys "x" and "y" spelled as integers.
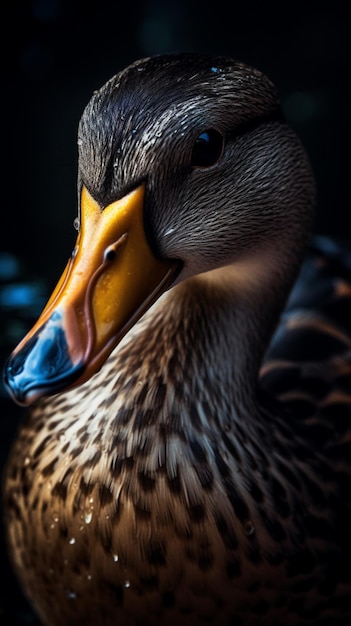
{"x": 186, "y": 165}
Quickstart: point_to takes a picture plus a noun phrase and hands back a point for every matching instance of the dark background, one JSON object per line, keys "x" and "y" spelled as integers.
{"x": 57, "y": 52}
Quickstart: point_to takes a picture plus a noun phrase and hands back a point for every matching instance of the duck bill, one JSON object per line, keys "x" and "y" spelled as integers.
{"x": 110, "y": 281}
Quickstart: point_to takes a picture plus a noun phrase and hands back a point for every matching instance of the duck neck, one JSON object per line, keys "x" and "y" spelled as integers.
{"x": 209, "y": 334}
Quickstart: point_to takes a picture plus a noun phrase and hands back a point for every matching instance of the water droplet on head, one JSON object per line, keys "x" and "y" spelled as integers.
{"x": 115, "y": 557}
{"x": 71, "y": 541}
{"x": 127, "y": 584}
{"x": 249, "y": 527}
{"x": 88, "y": 517}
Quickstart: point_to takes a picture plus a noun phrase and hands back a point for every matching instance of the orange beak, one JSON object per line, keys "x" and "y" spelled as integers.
{"x": 110, "y": 281}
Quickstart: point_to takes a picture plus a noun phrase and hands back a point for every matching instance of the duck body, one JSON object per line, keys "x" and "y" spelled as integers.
{"x": 202, "y": 473}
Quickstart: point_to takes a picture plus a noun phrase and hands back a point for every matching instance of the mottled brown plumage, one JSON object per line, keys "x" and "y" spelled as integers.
{"x": 203, "y": 474}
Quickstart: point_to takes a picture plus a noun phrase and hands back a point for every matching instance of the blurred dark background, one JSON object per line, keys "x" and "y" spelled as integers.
{"x": 57, "y": 52}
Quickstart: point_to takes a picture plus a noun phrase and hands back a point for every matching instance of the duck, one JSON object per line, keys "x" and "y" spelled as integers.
{"x": 184, "y": 452}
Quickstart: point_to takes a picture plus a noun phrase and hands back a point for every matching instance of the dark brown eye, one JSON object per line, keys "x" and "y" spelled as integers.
{"x": 207, "y": 148}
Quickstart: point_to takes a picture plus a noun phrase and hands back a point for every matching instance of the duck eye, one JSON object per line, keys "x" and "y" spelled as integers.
{"x": 207, "y": 148}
